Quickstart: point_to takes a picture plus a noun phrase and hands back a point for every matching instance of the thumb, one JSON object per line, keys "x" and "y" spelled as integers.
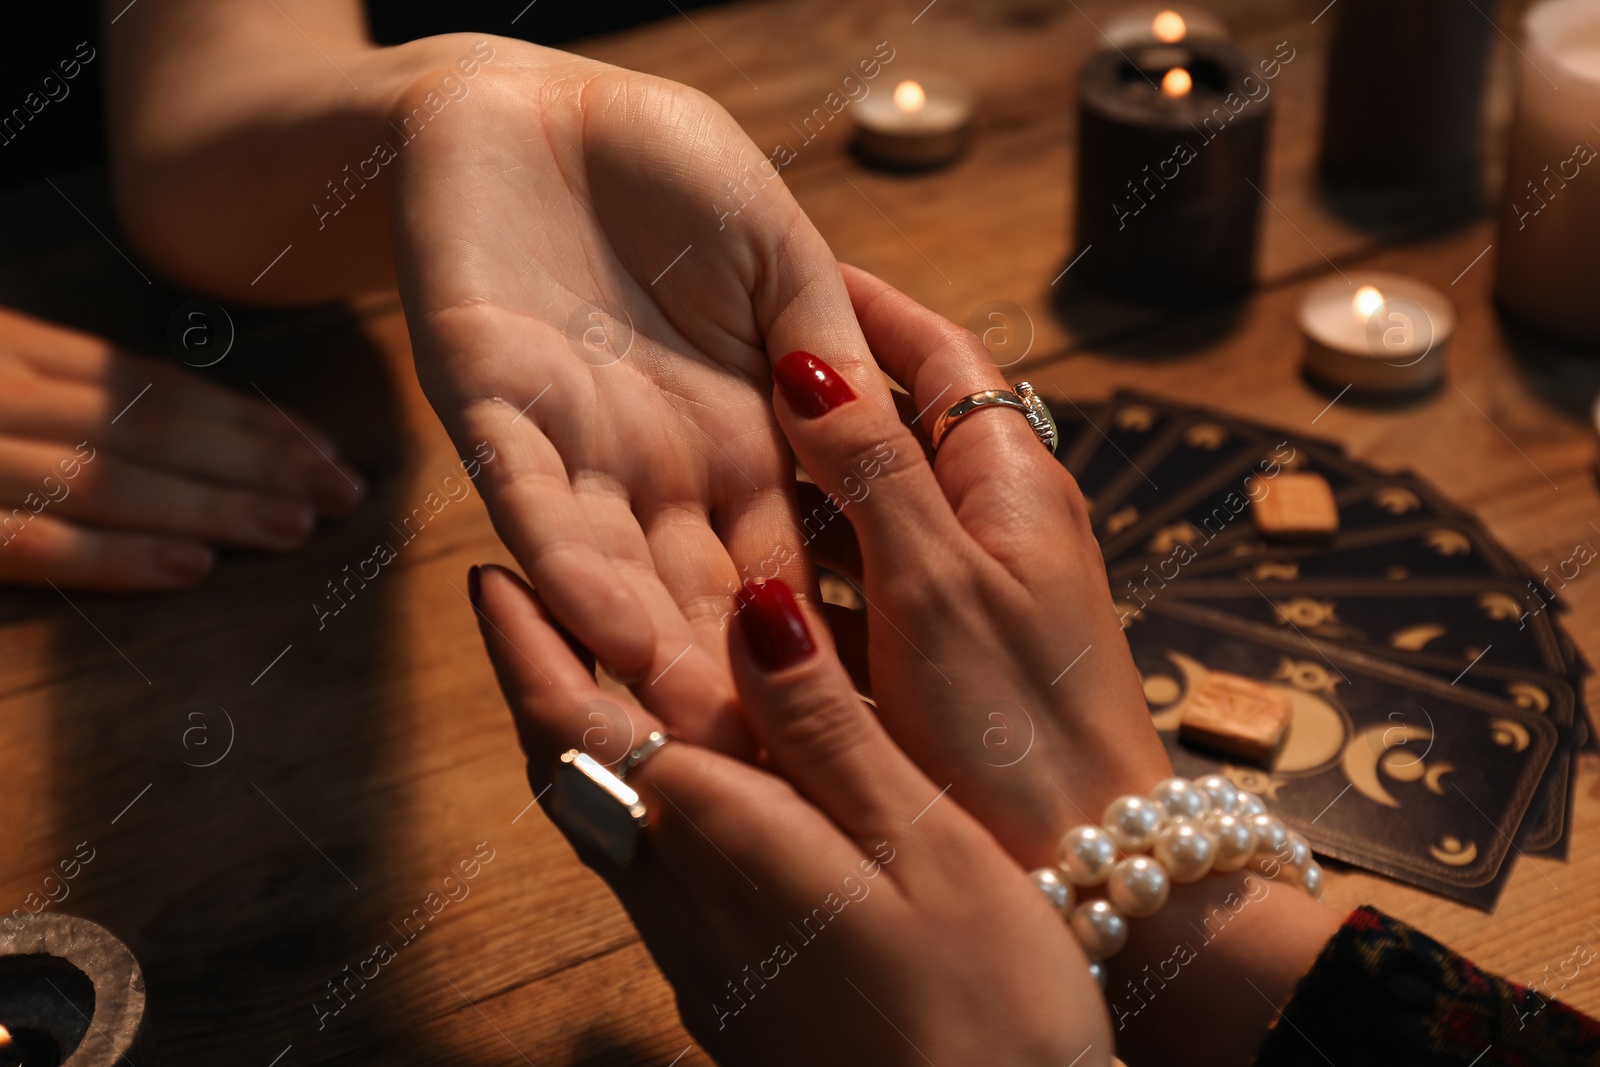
{"x": 817, "y": 730}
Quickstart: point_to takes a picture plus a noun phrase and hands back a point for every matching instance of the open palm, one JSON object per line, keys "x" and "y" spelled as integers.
{"x": 583, "y": 296}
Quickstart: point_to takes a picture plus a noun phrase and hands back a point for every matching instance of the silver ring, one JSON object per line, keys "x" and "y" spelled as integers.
{"x": 1022, "y": 399}
{"x": 651, "y": 746}
{"x": 595, "y": 804}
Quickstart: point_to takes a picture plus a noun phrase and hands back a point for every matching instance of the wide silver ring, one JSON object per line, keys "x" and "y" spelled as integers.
{"x": 1022, "y": 398}
{"x": 593, "y": 802}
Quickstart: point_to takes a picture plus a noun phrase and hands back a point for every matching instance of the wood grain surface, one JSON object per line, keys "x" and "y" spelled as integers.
{"x": 353, "y": 766}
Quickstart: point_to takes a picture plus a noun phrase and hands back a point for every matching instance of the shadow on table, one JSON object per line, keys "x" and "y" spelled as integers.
{"x": 1146, "y": 333}
{"x": 216, "y": 748}
{"x": 1563, "y": 375}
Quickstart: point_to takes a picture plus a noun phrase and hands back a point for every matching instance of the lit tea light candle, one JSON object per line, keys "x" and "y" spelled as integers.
{"x": 1165, "y": 24}
{"x": 1171, "y": 145}
{"x": 922, "y": 123}
{"x": 1386, "y": 338}
{"x": 1549, "y": 246}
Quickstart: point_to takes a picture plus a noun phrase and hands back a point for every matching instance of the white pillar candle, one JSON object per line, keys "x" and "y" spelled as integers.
{"x": 1549, "y": 256}
{"x": 1157, "y": 23}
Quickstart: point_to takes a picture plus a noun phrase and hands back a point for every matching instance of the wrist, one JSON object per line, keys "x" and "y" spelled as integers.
{"x": 1203, "y": 978}
{"x": 1225, "y": 918}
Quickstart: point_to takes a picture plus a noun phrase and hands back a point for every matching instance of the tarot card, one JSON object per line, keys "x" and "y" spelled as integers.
{"x": 1383, "y": 767}
{"x": 1211, "y": 514}
{"x": 1447, "y": 548}
{"x": 1186, "y": 455}
{"x": 1466, "y": 619}
{"x": 1114, "y": 433}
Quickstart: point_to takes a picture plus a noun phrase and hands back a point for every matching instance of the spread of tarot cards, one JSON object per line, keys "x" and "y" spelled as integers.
{"x": 1343, "y": 641}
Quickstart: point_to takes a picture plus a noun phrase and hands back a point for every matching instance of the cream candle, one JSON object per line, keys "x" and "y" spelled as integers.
{"x": 1549, "y": 254}
{"x": 1379, "y": 334}
{"x": 923, "y": 122}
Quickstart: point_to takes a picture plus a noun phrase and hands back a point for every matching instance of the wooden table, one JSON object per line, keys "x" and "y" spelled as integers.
{"x": 370, "y": 757}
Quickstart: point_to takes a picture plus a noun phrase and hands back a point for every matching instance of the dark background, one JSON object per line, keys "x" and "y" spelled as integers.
{"x": 74, "y": 134}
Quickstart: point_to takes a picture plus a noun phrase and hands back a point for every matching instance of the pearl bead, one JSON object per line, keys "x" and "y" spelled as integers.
{"x": 1087, "y": 855}
{"x": 1236, "y": 841}
{"x": 1220, "y": 792}
{"x": 1299, "y": 854}
{"x": 1185, "y": 851}
{"x": 1138, "y": 886}
{"x": 1101, "y": 929}
{"x": 1311, "y": 880}
{"x": 1180, "y": 799}
{"x": 1250, "y": 804}
{"x": 1097, "y": 971}
{"x": 1271, "y": 835}
{"x": 1133, "y": 822}
{"x": 1056, "y": 889}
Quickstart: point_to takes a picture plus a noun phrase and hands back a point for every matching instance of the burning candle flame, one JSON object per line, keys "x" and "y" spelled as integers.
{"x": 5, "y": 1038}
{"x": 909, "y": 96}
{"x": 1177, "y": 82}
{"x": 1369, "y": 298}
{"x": 1169, "y": 27}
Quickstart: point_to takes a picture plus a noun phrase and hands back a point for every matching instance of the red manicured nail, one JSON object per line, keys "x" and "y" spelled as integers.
{"x": 811, "y": 386}
{"x": 475, "y": 585}
{"x": 772, "y": 625}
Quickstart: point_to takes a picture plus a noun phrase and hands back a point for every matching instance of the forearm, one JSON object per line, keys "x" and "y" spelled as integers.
{"x": 239, "y": 130}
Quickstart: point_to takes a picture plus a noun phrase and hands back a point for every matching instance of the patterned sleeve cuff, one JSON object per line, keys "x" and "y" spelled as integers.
{"x": 1382, "y": 993}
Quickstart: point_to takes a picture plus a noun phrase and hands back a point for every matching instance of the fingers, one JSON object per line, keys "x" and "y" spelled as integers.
{"x": 105, "y": 490}
{"x": 42, "y": 550}
{"x": 816, "y": 729}
{"x": 938, "y": 362}
{"x": 553, "y": 696}
{"x": 150, "y": 426}
{"x": 540, "y": 518}
{"x": 867, "y": 461}
{"x": 719, "y": 825}
{"x": 998, "y": 477}
{"x": 62, "y": 385}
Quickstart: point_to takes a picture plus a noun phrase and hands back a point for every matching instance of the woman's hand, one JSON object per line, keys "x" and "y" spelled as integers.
{"x": 996, "y": 657}
{"x": 120, "y": 472}
{"x": 596, "y": 265}
{"x": 843, "y": 914}
{"x": 999, "y": 665}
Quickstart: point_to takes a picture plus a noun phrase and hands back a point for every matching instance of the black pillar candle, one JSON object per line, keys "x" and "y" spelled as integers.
{"x": 1171, "y": 143}
{"x": 1404, "y": 102}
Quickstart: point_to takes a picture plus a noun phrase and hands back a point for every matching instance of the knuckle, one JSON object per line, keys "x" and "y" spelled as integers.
{"x": 883, "y": 452}
{"x": 825, "y": 726}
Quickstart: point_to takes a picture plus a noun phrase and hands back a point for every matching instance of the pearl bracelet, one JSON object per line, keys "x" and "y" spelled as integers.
{"x": 1179, "y": 833}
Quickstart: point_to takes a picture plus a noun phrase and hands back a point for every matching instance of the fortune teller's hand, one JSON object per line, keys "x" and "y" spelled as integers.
{"x": 119, "y": 472}
{"x": 584, "y": 293}
{"x": 997, "y": 659}
{"x": 998, "y": 664}
{"x": 828, "y": 916}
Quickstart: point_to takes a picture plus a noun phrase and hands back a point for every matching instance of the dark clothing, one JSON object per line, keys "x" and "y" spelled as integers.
{"x": 1382, "y": 994}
